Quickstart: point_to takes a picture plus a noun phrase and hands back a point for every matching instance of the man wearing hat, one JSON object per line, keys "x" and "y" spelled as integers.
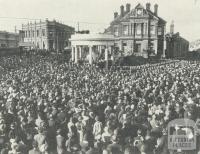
{"x": 35, "y": 149}
{"x": 114, "y": 147}
{"x": 60, "y": 142}
{"x": 97, "y": 128}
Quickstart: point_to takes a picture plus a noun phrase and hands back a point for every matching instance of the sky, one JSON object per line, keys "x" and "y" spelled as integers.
{"x": 96, "y": 15}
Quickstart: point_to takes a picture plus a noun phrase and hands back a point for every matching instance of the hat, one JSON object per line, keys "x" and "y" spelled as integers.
{"x": 58, "y": 131}
{"x": 12, "y": 126}
{"x": 114, "y": 138}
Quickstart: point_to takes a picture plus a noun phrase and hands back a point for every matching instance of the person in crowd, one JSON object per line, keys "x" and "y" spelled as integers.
{"x": 49, "y": 105}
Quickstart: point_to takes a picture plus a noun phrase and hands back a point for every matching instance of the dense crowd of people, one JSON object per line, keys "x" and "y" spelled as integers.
{"x": 49, "y": 106}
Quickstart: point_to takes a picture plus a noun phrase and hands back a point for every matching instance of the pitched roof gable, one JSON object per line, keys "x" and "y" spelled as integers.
{"x": 138, "y": 6}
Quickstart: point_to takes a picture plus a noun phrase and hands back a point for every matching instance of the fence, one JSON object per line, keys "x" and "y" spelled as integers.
{"x": 145, "y": 66}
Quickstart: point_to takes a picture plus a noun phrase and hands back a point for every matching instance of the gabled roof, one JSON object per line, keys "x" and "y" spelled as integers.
{"x": 127, "y": 15}
{"x": 153, "y": 14}
{"x": 139, "y": 6}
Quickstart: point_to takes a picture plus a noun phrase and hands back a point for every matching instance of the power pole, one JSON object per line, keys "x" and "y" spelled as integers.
{"x": 57, "y": 43}
{"x": 15, "y": 29}
{"x": 78, "y": 26}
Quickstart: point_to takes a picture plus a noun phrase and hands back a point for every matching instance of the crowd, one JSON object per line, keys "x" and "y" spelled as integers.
{"x": 49, "y": 106}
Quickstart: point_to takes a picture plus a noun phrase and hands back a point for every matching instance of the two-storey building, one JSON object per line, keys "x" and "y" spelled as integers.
{"x": 8, "y": 39}
{"x": 139, "y": 31}
{"x": 49, "y": 35}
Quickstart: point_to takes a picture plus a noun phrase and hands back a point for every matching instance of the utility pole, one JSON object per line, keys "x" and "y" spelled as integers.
{"x": 15, "y": 29}
{"x": 57, "y": 43}
{"x": 78, "y": 26}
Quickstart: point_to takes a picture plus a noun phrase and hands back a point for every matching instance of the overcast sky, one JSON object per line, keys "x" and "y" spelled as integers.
{"x": 96, "y": 15}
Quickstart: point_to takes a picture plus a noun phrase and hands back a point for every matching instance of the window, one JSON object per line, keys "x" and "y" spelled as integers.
{"x": 124, "y": 44}
{"x": 138, "y": 29}
{"x": 116, "y": 31}
{"x": 152, "y": 48}
{"x": 37, "y": 33}
{"x": 139, "y": 12}
{"x": 159, "y": 30}
{"x": 153, "y": 32}
{"x": 125, "y": 30}
{"x": 137, "y": 47}
{"x": 50, "y": 34}
{"x": 33, "y": 33}
{"x": 43, "y": 45}
{"x": 43, "y": 32}
{"x": 3, "y": 45}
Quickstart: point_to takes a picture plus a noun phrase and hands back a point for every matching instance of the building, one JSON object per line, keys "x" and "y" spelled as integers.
{"x": 49, "y": 35}
{"x": 92, "y": 47}
{"x": 176, "y": 46}
{"x": 139, "y": 31}
{"x": 8, "y": 40}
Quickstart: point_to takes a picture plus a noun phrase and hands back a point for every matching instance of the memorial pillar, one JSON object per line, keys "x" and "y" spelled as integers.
{"x": 100, "y": 50}
{"x": 106, "y": 57}
{"x": 106, "y": 53}
{"x": 80, "y": 52}
{"x": 164, "y": 43}
{"x": 76, "y": 54}
{"x": 90, "y": 55}
{"x": 72, "y": 53}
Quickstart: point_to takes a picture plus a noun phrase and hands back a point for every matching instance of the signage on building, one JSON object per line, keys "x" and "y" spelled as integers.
{"x": 182, "y": 134}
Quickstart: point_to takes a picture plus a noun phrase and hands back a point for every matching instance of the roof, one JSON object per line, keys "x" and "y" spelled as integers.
{"x": 175, "y": 36}
{"x": 161, "y": 19}
{"x": 92, "y": 37}
{"x": 9, "y": 33}
{"x": 120, "y": 18}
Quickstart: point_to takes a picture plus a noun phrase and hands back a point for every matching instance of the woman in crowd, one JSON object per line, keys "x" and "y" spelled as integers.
{"x": 45, "y": 101}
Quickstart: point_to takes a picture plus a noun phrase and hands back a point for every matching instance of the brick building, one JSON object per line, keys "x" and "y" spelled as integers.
{"x": 49, "y": 35}
{"x": 176, "y": 46}
{"x": 8, "y": 40}
{"x": 139, "y": 31}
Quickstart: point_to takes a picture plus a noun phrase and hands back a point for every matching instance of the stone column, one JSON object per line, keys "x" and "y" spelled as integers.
{"x": 112, "y": 54}
{"x": 164, "y": 47}
{"x": 80, "y": 52}
{"x": 90, "y": 55}
{"x": 72, "y": 53}
{"x": 106, "y": 57}
{"x": 164, "y": 43}
{"x": 76, "y": 54}
{"x": 156, "y": 46}
{"x": 100, "y": 50}
{"x": 106, "y": 53}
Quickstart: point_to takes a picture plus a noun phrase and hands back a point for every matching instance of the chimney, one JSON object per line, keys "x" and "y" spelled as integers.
{"x": 122, "y": 11}
{"x": 172, "y": 28}
{"x": 148, "y": 6}
{"x": 115, "y": 15}
{"x": 156, "y": 9}
{"x": 128, "y": 8}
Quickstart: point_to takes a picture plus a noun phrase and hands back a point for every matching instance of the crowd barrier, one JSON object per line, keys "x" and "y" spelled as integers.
{"x": 151, "y": 66}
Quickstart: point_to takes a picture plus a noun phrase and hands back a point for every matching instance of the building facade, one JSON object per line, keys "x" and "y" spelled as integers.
{"x": 49, "y": 35}
{"x": 176, "y": 46}
{"x": 139, "y": 31}
{"x": 8, "y": 40}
